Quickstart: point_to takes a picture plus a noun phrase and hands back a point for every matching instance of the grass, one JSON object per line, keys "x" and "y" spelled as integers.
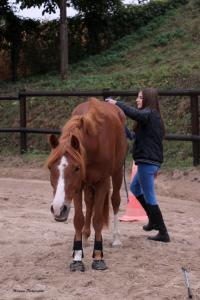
{"x": 165, "y": 54}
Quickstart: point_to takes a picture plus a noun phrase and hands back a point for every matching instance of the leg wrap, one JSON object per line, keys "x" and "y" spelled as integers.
{"x": 98, "y": 245}
{"x": 78, "y": 246}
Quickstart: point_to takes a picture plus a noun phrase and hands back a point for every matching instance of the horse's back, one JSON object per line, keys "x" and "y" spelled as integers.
{"x": 104, "y": 109}
{"x": 107, "y": 141}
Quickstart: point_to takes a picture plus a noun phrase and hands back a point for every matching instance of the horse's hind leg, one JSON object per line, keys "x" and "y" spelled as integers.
{"x": 77, "y": 264}
{"x": 89, "y": 201}
{"x": 116, "y": 199}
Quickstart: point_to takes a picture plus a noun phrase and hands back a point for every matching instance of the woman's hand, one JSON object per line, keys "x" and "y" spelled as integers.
{"x": 111, "y": 101}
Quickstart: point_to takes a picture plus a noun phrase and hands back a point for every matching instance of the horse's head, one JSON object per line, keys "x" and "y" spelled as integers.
{"x": 66, "y": 175}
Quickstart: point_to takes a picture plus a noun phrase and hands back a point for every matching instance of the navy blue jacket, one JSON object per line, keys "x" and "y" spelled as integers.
{"x": 148, "y": 144}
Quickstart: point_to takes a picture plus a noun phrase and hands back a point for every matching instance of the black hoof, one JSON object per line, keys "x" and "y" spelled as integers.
{"x": 77, "y": 266}
{"x": 99, "y": 265}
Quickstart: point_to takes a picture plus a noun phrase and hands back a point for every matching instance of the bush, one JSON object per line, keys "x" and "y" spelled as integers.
{"x": 165, "y": 38}
{"x": 196, "y": 3}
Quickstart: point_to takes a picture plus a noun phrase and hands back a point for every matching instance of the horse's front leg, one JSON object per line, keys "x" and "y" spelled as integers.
{"x": 89, "y": 201}
{"x": 77, "y": 264}
{"x": 116, "y": 199}
{"x": 100, "y": 218}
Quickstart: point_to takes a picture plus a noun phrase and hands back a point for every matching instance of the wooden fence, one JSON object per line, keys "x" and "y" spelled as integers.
{"x": 23, "y": 97}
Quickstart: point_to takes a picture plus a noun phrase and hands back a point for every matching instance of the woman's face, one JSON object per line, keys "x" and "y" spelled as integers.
{"x": 139, "y": 100}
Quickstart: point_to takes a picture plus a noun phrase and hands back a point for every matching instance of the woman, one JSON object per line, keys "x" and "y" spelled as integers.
{"x": 148, "y": 156}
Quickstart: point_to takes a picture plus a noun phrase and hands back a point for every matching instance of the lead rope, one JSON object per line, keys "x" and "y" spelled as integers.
{"x": 125, "y": 184}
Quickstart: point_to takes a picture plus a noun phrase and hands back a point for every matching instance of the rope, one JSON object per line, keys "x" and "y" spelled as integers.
{"x": 125, "y": 184}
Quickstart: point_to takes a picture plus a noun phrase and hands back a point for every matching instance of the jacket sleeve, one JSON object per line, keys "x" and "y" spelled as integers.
{"x": 134, "y": 113}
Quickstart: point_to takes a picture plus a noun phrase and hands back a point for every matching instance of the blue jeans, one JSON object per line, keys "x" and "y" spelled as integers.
{"x": 143, "y": 182}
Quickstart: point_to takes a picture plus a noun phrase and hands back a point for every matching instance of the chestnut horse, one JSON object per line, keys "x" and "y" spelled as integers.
{"x": 90, "y": 150}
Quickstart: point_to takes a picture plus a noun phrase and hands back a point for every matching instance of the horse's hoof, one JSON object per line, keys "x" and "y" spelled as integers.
{"x": 99, "y": 265}
{"x": 77, "y": 266}
{"x": 116, "y": 243}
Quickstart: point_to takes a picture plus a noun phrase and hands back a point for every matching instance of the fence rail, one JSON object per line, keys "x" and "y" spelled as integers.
{"x": 23, "y": 130}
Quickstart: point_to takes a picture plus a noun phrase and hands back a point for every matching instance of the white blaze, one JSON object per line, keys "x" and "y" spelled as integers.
{"x": 59, "y": 197}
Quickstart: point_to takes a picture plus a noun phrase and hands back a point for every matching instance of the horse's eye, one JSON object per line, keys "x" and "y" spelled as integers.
{"x": 77, "y": 168}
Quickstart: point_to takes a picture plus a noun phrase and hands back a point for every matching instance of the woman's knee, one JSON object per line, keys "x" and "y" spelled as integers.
{"x": 135, "y": 188}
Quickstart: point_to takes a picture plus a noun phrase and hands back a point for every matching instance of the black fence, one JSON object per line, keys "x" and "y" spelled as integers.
{"x": 24, "y": 95}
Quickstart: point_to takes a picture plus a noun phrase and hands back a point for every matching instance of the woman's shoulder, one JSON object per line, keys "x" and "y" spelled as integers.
{"x": 154, "y": 112}
{"x": 146, "y": 111}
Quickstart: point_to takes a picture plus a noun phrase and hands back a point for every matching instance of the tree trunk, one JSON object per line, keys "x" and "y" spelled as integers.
{"x": 63, "y": 40}
{"x": 14, "y": 61}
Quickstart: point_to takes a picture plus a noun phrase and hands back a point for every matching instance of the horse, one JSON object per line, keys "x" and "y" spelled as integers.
{"x": 91, "y": 150}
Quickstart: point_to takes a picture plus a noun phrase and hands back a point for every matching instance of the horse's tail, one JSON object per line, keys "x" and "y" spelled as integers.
{"x": 106, "y": 210}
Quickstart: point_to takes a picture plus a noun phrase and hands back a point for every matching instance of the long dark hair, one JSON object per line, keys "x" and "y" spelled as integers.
{"x": 150, "y": 100}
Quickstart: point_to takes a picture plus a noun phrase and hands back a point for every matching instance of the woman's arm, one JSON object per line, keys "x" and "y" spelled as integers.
{"x": 141, "y": 115}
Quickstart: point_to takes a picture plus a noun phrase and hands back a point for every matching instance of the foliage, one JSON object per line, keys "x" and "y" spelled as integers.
{"x": 41, "y": 48}
{"x": 132, "y": 17}
{"x": 197, "y": 3}
{"x": 8, "y": 21}
{"x": 162, "y": 39}
{"x": 12, "y": 33}
{"x": 97, "y": 26}
{"x": 96, "y": 16}
{"x": 49, "y": 5}
{"x": 101, "y": 7}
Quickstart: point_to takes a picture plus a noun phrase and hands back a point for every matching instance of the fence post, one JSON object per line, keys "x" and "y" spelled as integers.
{"x": 105, "y": 93}
{"x": 23, "y": 135}
{"x": 195, "y": 128}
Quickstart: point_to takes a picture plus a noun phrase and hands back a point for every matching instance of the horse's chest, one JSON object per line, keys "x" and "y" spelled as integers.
{"x": 94, "y": 175}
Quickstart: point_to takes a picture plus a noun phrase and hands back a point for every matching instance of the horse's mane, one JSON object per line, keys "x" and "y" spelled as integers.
{"x": 77, "y": 126}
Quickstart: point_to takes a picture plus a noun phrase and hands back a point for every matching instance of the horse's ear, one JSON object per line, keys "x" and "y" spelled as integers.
{"x": 53, "y": 140}
{"x": 75, "y": 143}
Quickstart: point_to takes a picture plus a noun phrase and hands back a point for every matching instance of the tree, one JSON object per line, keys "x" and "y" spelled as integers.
{"x": 10, "y": 39}
{"x": 63, "y": 40}
{"x": 50, "y": 7}
{"x": 96, "y": 16}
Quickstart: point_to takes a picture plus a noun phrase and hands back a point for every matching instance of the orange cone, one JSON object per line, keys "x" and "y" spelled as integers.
{"x": 134, "y": 211}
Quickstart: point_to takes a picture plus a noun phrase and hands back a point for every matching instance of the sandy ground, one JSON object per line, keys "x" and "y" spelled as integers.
{"x": 35, "y": 251}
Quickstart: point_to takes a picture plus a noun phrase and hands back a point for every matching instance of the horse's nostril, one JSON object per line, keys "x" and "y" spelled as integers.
{"x": 64, "y": 208}
{"x": 52, "y": 210}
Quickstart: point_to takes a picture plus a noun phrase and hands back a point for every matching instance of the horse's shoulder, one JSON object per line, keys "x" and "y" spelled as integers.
{"x": 121, "y": 114}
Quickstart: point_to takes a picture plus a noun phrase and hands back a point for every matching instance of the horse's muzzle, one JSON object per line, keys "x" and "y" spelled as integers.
{"x": 64, "y": 212}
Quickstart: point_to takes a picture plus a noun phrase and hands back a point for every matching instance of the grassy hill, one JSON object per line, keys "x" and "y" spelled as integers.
{"x": 164, "y": 54}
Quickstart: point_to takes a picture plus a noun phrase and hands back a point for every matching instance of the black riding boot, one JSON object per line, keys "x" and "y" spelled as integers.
{"x": 150, "y": 226}
{"x": 156, "y": 215}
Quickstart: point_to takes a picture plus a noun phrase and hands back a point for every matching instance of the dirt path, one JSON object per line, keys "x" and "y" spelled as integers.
{"x": 35, "y": 251}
